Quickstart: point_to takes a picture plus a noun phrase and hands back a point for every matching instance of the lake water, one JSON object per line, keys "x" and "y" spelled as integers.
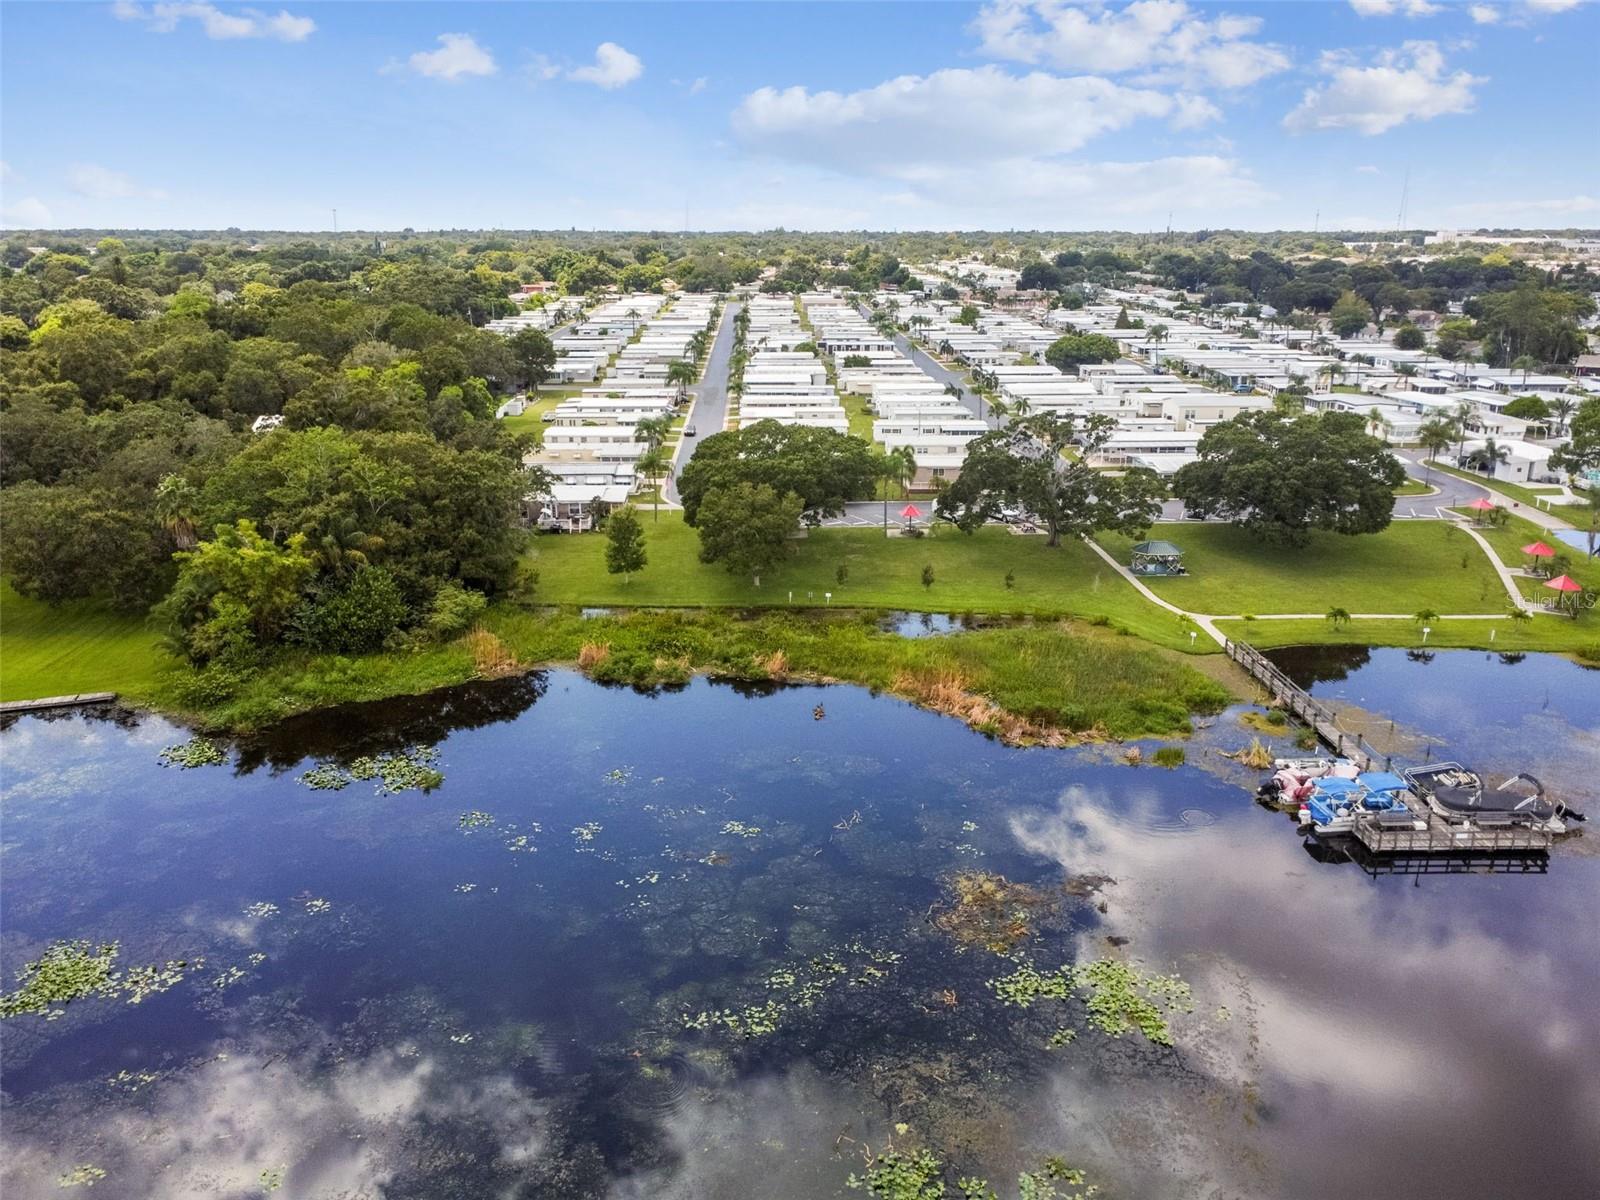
{"x": 493, "y": 988}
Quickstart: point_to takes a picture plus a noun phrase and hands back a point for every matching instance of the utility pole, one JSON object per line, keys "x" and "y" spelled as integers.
{"x": 336, "y": 220}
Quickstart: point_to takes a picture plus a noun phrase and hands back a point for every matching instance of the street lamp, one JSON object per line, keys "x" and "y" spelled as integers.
{"x": 1425, "y": 632}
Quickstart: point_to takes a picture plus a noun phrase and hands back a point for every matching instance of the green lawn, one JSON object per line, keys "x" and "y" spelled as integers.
{"x": 856, "y": 408}
{"x": 1412, "y": 487}
{"x": 1508, "y": 540}
{"x": 1410, "y": 566}
{"x": 1542, "y": 633}
{"x": 969, "y": 576}
{"x": 531, "y": 419}
{"x": 80, "y": 647}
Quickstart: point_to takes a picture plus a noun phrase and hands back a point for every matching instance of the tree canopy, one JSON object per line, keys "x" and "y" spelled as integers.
{"x": 1023, "y": 466}
{"x": 1074, "y": 349}
{"x": 1283, "y": 476}
{"x": 822, "y": 467}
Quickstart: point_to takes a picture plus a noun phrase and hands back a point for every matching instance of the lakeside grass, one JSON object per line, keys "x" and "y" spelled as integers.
{"x": 1038, "y": 682}
{"x": 969, "y": 576}
{"x": 1409, "y": 566}
{"x": 79, "y": 647}
{"x": 1543, "y": 634}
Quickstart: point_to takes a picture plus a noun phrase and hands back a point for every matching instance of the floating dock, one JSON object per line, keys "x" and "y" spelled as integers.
{"x": 48, "y": 702}
{"x": 1430, "y": 834}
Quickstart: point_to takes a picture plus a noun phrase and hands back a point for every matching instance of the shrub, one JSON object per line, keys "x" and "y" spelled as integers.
{"x": 456, "y": 609}
{"x": 353, "y": 616}
{"x": 1169, "y": 756}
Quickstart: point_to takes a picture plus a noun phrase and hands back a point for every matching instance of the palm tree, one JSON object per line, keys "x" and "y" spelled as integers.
{"x": 652, "y": 431}
{"x": 1492, "y": 453}
{"x": 344, "y": 547}
{"x": 1460, "y": 417}
{"x": 1561, "y": 408}
{"x": 1524, "y": 363}
{"x": 1378, "y": 424}
{"x": 1435, "y": 436}
{"x": 906, "y": 463}
{"x": 1406, "y": 371}
{"x": 681, "y": 373}
{"x": 653, "y": 464}
{"x": 1338, "y": 617}
{"x": 886, "y": 469}
{"x": 1331, "y": 371}
{"x": 176, "y": 499}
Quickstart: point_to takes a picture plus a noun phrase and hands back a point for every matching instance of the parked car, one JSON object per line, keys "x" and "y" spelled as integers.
{"x": 688, "y": 431}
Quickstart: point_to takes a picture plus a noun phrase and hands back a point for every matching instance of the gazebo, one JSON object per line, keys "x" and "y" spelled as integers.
{"x": 1157, "y": 558}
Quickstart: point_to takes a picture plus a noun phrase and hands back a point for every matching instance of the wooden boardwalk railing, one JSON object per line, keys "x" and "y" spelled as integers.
{"x": 1286, "y": 694}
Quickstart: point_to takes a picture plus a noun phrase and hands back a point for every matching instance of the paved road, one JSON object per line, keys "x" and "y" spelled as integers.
{"x": 708, "y": 406}
{"x": 938, "y": 372}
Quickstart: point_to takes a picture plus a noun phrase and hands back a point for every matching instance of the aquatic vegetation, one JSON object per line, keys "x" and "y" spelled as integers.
{"x": 1256, "y": 756}
{"x": 143, "y": 982}
{"x": 1168, "y": 756}
{"x": 271, "y": 1179}
{"x": 475, "y": 819}
{"x": 316, "y": 907}
{"x": 588, "y": 831}
{"x": 798, "y": 987}
{"x": 969, "y": 827}
{"x": 740, "y": 829}
{"x": 466, "y": 887}
{"x": 263, "y": 909}
{"x": 618, "y": 775}
{"x": 919, "y": 1175}
{"x": 1062, "y": 1037}
{"x": 65, "y": 972}
{"x": 82, "y": 1175}
{"x": 327, "y": 777}
{"x": 196, "y": 752}
{"x": 1118, "y": 996}
{"x": 405, "y": 770}
{"x": 988, "y": 910}
{"x": 228, "y": 978}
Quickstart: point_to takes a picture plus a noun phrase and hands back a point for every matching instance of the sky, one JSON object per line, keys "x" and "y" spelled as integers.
{"x": 1015, "y": 114}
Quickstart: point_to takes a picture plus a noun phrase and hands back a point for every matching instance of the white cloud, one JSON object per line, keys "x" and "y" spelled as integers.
{"x": 1484, "y": 14}
{"x": 1408, "y": 84}
{"x": 1368, "y": 169}
{"x": 1388, "y": 8}
{"x": 218, "y": 25}
{"x": 458, "y": 55}
{"x": 698, "y": 86}
{"x": 957, "y": 114}
{"x": 28, "y": 213}
{"x": 1166, "y": 39}
{"x": 102, "y": 183}
{"x": 613, "y": 67}
{"x": 1554, "y": 6}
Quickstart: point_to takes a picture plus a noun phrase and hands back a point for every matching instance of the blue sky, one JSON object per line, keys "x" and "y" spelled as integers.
{"x": 1060, "y": 114}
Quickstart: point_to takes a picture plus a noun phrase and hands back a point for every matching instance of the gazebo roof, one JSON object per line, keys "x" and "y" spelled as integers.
{"x": 1159, "y": 548}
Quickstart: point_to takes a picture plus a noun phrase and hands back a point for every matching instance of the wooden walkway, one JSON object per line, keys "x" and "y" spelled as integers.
{"x": 1298, "y": 703}
{"x": 47, "y": 702}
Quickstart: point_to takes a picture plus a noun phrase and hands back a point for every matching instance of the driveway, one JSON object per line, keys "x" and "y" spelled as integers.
{"x": 708, "y": 404}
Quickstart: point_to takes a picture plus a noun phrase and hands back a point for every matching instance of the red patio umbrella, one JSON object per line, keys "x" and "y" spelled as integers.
{"x": 1566, "y": 585}
{"x": 1482, "y": 504}
{"x": 910, "y": 511}
{"x": 1539, "y": 550}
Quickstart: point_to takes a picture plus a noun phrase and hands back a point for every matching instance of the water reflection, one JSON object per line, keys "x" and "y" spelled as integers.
{"x": 497, "y": 987}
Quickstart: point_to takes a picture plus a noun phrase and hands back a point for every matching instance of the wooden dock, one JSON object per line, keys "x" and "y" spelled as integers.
{"x": 48, "y": 702}
{"x": 1429, "y": 834}
{"x": 1299, "y": 704}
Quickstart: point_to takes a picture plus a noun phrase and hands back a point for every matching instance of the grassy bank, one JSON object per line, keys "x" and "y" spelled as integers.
{"x": 79, "y": 647}
{"x": 969, "y": 576}
{"x": 1410, "y": 566}
{"x": 1041, "y": 682}
{"x": 1547, "y": 634}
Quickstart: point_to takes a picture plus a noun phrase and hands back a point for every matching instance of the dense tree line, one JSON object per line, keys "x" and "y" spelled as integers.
{"x": 385, "y": 507}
